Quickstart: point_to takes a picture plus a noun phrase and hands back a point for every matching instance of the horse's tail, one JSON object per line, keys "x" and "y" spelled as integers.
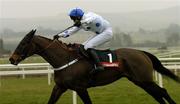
{"x": 160, "y": 68}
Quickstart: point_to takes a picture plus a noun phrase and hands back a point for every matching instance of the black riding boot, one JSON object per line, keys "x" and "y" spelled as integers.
{"x": 82, "y": 51}
{"x": 96, "y": 59}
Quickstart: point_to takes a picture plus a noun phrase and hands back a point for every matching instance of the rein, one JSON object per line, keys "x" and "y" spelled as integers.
{"x": 47, "y": 46}
{"x": 42, "y": 50}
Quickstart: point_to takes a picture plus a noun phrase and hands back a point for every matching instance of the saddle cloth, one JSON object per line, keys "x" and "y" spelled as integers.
{"x": 108, "y": 58}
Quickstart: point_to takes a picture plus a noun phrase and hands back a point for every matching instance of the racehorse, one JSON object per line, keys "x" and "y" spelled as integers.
{"x": 136, "y": 65}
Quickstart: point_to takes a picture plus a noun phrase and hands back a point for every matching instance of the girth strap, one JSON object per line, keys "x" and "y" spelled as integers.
{"x": 66, "y": 65}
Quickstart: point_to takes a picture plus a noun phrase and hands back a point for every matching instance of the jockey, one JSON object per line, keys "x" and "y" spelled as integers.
{"x": 89, "y": 22}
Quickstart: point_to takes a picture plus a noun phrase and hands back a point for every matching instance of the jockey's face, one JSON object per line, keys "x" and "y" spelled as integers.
{"x": 76, "y": 19}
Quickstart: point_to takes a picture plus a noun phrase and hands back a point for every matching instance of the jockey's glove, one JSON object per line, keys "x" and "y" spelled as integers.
{"x": 64, "y": 34}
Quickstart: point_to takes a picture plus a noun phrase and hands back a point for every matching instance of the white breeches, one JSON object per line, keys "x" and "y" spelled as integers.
{"x": 98, "y": 39}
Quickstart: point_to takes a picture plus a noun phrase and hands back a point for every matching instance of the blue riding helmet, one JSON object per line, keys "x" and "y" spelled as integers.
{"x": 77, "y": 12}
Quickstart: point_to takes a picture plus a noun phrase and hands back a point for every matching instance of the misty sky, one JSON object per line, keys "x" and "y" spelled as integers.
{"x": 41, "y": 8}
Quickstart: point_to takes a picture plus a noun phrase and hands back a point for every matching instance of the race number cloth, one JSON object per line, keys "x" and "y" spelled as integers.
{"x": 108, "y": 58}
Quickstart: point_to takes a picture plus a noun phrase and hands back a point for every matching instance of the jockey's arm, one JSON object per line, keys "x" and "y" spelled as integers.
{"x": 69, "y": 32}
{"x": 87, "y": 20}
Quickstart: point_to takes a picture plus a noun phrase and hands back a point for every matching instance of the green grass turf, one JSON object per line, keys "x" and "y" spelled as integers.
{"x": 35, "y": 90}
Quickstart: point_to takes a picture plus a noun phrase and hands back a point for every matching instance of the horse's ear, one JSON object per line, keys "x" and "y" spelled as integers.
{"x": 30, "y": 35}
{"x": 34, "y": 30}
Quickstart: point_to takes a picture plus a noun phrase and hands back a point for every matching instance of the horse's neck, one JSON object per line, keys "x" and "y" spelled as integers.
{"x": 51, "y": 51}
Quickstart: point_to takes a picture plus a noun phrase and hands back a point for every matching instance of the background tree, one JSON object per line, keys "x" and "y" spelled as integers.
{"x": 173, "y": 39}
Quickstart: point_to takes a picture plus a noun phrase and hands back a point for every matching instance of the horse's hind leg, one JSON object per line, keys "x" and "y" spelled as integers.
{"x": 56, "y": 93}
{"x": 155, "y": 91}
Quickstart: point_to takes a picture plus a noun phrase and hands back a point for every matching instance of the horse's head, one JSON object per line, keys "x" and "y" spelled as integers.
{"x": 24, "y": 49}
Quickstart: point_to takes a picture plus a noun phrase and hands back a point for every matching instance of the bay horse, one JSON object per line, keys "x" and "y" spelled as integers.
{"x": 136, "y": 65}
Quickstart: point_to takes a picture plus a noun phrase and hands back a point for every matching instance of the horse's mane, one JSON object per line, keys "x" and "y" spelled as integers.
{"x": 39, "y": 36}
{"x": 50, "y": 40}
{"x": 68, "y": 46}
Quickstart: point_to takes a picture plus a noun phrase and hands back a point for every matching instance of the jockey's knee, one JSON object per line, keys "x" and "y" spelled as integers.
{"x": 109, "y": 34}
{"x": 87, "y": 46}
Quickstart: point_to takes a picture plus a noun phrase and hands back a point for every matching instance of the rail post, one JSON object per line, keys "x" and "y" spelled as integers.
{"x": 49, "y": 75}
{"x": 156, "y": 75}
{"x": 23, "y": 75}
{"x": 175, "y": 70}
{"x": 74, "y": 97}
{"x": 160, "y": 80}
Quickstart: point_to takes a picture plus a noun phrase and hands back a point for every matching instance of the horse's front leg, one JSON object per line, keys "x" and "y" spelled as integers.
{"x": 83, "y": 94}
{"x": 56, "y": 93}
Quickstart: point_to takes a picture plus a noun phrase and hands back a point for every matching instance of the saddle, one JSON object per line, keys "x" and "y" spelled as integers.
{"x": 108, "y": 58}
